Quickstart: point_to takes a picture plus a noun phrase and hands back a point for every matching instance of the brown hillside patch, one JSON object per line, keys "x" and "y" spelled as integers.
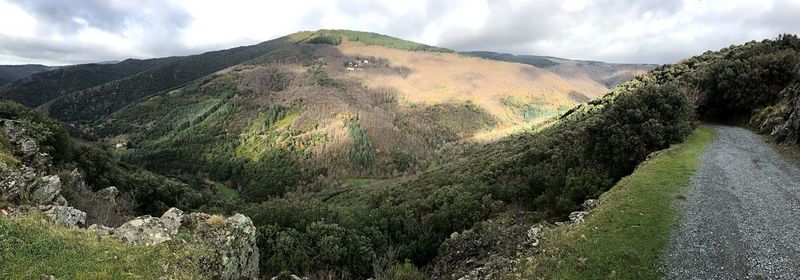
{"x": 440, "y": 78}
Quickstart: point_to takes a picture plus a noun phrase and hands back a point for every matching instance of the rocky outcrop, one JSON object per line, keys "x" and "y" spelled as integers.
{"x": 34, "y": 181}
{"x": 492, "y": 248}
{"x": 30, "y": 182}
{"x": 66, "y": 216}
{"x": 781, "y": 121}
{"x": 233, "y": 239}
{"x": 577, "y": 216}
{"x": 46, "y": 190}
{"x": 144, "y": 230}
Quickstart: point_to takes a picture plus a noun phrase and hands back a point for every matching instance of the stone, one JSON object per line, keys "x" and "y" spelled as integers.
{"x": 48, "y": 188}
{"x": 60, "y": 201}
{"x": 172, "y": 220}
{"x": 101, "y": 230}
{"x": 234, "y": 241}
{"x": 66, "y": 216}
{"x": 144, "y": 230}
{"x": 577, "y": 216}
{"x": 28, "y": 147}
{"x": 589, "y": 204}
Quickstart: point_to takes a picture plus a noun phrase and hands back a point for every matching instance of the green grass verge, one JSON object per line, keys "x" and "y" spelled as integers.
{"x": 627, "y": 235}
{"x": 31, "y": 246}
{"x": 225, "y": 192}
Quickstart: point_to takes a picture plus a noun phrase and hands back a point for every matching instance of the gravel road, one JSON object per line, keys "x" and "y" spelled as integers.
{"x": 740, "y": 217}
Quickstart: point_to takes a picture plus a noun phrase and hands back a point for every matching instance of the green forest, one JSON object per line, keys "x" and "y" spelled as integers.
{"x": 204, "y": 155}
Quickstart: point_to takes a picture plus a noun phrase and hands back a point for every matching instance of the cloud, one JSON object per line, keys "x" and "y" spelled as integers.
{"x": 65, "y": 32}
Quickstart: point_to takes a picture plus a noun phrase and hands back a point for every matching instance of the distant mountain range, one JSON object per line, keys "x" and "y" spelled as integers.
{"x": 10, "y": 73}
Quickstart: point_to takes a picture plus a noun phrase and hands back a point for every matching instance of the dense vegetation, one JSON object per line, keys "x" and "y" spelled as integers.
{"x": 552, "y": 171}
{"x": 152, "y": 193}
{"x": 45, "y": 86}
{"x": 334, "y": 37}
{"x": 10, "y": 73}
{"x": 604, "y": 141}
{"x": 262, "y": 130}
{"x": 538, "y": 61}
{"x": 618, "y": 248}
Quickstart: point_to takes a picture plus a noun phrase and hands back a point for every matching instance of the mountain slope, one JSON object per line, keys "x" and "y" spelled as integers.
{"x": 45, "y": 86}
{"x": 604, "y": 74}
{"x": 335, "y": 103}
{"x": 10, "y": 73}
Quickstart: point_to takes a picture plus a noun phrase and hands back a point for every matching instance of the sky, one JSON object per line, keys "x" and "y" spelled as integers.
{"x": 59, "y": 32}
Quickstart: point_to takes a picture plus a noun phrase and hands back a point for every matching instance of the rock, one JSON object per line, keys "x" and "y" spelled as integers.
{"x": 66, "y": 216}
{"x": 109, "y": 193}
{"x": 101, "y": 230}
{"x": 589, "y": 204}
{"x": 47, "y": 277}
{"x": 172, "y": 220}
{"x": 47, "y": 190}
{"x": 533, "y": 234}
{"x": 28, "y": 147}
{"x": 577, "y": 216}
{"x": 234, "y": 240}
{"x": 60, "y": 201}
{"x": 121, "y": 145}
{"x": 144, "y": 230}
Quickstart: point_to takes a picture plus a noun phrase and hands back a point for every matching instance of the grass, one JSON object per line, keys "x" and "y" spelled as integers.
{"x": 627, "y": 235}
{"x": 360, "y": 182}
{"x": 31, "y": 246}
{"x": 225, "y": 192}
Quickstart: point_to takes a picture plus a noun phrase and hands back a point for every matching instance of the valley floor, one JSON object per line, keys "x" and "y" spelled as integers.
{"x": 739, "y": 219}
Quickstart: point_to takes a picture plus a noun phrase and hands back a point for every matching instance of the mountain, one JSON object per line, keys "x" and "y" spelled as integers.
{"x": 606, "y": 74}
{"x": 10, "y": 73}
{"x": 331, "y": 103}
{"x": 358, "y": 155}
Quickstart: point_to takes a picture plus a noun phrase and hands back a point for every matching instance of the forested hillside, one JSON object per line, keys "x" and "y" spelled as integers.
{"x": 358, "y": 155}
{"x": 297, "y": 113}
{"x": 10, "y": 73}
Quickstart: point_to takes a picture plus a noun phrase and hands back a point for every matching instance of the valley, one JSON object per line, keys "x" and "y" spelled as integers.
{"x": 338, "y": 154}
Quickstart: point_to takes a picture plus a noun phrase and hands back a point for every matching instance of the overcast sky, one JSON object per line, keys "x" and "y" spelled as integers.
{"x": 658, "y": 31}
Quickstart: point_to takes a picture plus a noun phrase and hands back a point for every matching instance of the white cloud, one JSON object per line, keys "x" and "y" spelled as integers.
{"x": 62, "y": 32}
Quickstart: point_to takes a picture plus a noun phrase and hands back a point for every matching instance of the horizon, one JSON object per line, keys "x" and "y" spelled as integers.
{"x": 616, "y": 31}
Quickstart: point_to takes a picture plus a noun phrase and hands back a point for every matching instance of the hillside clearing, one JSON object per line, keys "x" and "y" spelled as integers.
{"x": 626, "y": 236}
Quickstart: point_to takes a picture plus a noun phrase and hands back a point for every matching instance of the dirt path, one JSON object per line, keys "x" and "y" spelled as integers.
{"x": 741, "y": 216}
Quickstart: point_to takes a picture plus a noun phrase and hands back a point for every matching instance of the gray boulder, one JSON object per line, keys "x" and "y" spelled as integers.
{"x": 590, "y": 204}
{"x": 172, "y": 220}
{"x": 48, "y": 189}
{"x": 577, "y": 216}
{"x": 144, "y": 230}
{"x": 234, "y": 240}
{"x": 66, "y": 216}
